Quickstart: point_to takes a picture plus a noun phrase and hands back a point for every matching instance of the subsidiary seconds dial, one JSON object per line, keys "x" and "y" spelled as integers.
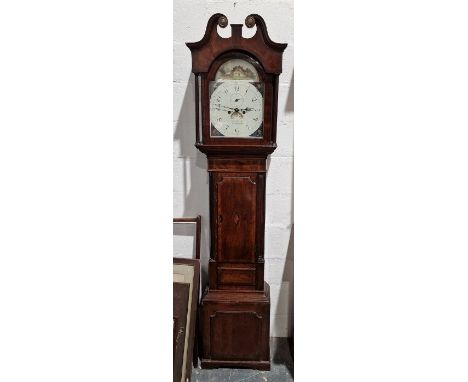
{"x": 236, "y": 109}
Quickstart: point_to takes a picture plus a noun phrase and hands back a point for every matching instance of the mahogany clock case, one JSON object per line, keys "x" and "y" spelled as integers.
{"x": 235, "y": 307}
{"x": 208, "y": 55}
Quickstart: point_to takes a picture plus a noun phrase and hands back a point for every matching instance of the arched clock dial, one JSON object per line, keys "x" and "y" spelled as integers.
{"x": 236, "y": 109}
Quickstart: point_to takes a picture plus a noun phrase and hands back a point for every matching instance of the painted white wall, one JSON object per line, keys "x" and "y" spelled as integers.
{"x": 190, "y": 189}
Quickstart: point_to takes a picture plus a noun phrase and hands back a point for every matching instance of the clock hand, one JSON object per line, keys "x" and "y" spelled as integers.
{"x": 248, "y": 109}
{"x": 236, "y": 110}
{"x": 226, "y": 107}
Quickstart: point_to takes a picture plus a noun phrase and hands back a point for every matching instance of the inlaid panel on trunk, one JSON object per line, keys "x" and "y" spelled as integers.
{"x": 236, "y": 217}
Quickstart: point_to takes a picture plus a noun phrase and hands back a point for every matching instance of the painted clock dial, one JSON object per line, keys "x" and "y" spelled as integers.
{"x": 236, "y": 101}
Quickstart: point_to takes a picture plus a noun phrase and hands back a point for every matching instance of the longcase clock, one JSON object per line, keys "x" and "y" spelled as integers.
{"x": 236, "y": 94}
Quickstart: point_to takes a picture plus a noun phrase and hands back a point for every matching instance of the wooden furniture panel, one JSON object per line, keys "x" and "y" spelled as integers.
{"x": 236, "y": 276}
{"x": 236, "y": 326}
{"x": 236, "y": 195}
{"x": 232, "y": 334}
{"x": 244, "y": 276}
{"x": 221, "y": 164}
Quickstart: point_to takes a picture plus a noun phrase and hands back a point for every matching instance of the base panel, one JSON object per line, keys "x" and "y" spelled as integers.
{"x": 236, "y": 329}
{"x": 257, "y": 365}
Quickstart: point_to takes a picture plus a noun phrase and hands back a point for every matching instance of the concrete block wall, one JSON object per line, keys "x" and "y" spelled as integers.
{"x": 190, "y": 187}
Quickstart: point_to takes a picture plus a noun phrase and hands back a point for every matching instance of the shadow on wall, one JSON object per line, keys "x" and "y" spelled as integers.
{"x": 290, "y": 101}
{"x": 287, "y": 288}
{"x": 195, "y": 175}
{"x": 287, "y": 280}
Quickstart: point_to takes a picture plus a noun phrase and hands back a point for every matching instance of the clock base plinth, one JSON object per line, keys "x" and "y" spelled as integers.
{"x": 236, "y": 329}
{"x": 255, "y": 365}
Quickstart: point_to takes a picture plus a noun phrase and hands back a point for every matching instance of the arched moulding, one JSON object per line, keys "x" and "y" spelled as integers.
{"x": 254, "y": 19}
{"x": 260, "y": 45}
{"x": 218, "y": 19}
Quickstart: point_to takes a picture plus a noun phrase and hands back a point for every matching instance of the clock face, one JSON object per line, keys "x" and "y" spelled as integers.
{"x": 236, "y": 101}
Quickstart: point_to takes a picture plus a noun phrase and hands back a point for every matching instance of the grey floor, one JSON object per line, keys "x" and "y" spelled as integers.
{"x": 282, "y": 368}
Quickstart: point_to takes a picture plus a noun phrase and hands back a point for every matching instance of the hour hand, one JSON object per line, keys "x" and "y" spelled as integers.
{"x": 220, "y": 107}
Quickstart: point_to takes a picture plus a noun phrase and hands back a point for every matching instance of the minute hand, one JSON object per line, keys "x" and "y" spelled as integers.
{"x": 219, "y": 107}
{"x": 248, "y": 109}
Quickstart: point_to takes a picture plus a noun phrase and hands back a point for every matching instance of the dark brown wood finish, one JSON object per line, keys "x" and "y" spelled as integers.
{"x": 235, "y": 311}
{"x": 236, "y": 327}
